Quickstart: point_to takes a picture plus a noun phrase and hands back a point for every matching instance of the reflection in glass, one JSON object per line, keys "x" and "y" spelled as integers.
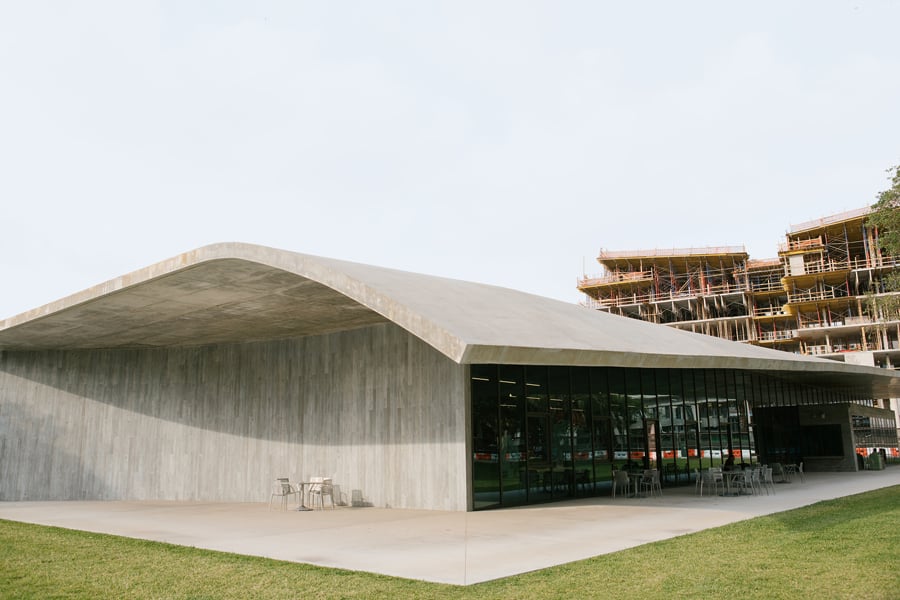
{"x": 543, "y": 433}
{"x": 485, "y": 437}
{"x": 581, "y": 431}
{"x": 618, "y": 414}
{"x": 561, "y": 434}
{"x": 512, "y": 434}
{"x": 538, "y": 457}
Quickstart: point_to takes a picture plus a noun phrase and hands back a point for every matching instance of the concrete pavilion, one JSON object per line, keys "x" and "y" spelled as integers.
{"x": 205, "y": 376}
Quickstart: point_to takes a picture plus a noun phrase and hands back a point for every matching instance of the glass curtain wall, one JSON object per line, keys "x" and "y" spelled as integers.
{"x": 547, "y": 433}
{"x": 544, "y": 433}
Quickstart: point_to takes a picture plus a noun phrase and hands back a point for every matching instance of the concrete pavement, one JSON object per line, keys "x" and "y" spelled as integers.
{"x": 439, "y": 546}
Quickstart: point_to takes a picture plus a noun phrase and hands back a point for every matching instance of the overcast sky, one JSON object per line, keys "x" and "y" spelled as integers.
{"x": 500, "y": 142}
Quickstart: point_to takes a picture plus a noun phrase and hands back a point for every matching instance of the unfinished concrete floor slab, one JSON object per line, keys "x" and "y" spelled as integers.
{"x": 438, "y": 546}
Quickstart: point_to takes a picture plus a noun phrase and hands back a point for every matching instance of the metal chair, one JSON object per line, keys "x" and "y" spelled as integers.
{"x": 745, "y": 481}
{"x": 650, "y": 481}
{"x": 766, "y": 480}
{"x": 778, "y": 471}
{"x": 712, "y": 476}
{"x": 321, "y": 487}
{"x": 282, "y": 489}
{"x": 620, "y": 480}
{"x": 755, "y": 483}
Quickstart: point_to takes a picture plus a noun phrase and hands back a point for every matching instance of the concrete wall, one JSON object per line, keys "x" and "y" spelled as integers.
{"x": 830, "y": 414}
{"x": 376, "y": 409}
{"x": 837, "y": 414}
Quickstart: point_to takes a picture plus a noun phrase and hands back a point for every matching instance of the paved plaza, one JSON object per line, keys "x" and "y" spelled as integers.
{"x": 447, "y": 547}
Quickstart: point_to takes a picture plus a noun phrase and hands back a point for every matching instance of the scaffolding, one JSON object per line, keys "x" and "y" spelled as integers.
{"x": 811, "y": 299}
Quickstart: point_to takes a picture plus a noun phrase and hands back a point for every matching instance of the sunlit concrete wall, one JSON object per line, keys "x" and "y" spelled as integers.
{"x": 376, "y": 409}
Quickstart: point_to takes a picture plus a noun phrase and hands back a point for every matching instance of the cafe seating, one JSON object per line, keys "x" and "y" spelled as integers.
{"x": 621, "y": 481}
{"x": 744, "y": 481}
{"x": 765, "y": 479}
{"x": 755, "y": 479}
{"x": 318, "y": 489}
{"x": 650, "y": 482}
{"x": 712, "y": 477}
{"x": 282, "y": 489}
{"x": 780, "y": 472}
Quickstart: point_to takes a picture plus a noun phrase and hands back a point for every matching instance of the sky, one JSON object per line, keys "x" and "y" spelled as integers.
{"x": 498, "y": 142}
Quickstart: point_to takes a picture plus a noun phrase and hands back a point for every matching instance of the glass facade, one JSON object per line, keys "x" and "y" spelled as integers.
{"x": 873, "y": 433}
{"x": 544, "y": 433}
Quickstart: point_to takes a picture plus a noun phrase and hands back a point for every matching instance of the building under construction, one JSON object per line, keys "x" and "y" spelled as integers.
{"x": 819, "y": 297}
{"x": 816, "y": 298}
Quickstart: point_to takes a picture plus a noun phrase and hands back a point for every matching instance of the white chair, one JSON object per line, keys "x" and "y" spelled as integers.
{"x": 745, "y": 481}
{"x": 766, "y": 480}
{"x": 321, "y": 487}
{"x": 778, "y": 471}
{"x": 282, "y": 489}
{"x": 650, "y": 482}
{"x": 620, "y": 480}
{"x": 712, "y": 477}
{"x": 755, "y": 483}
{"x": 800, "y": 471}
{"x": 313, "y": 486}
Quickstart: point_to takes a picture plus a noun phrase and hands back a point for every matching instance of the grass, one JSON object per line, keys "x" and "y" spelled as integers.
{"x": 843, "y": 548}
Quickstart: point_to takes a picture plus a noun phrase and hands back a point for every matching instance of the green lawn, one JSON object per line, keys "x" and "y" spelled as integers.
{"x": 845, "y": 548}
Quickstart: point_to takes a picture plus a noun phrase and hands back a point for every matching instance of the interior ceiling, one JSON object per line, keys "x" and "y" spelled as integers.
{"x": 213, "y": 302}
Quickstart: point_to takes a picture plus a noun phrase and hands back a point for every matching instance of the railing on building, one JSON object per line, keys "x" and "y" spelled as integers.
{"x": 650, "y": 297}
{"x": 814, "y": 324}
{"x": 616, "y": 277}
{"x": 769, "y": 311}
{"x": 815, "y": 243}
{"x": 844, "y": 216}
{"x": 814, "y": 295}
{"x": 673, "y": 252}
{"x": 854, "y": 264}
{"x": 766, "y": 286}
{"x": 858, "y": 320}
{"x": 771, "y": 336}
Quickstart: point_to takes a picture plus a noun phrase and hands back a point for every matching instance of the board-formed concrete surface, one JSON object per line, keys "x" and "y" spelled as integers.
{"x": 440, "y": 546}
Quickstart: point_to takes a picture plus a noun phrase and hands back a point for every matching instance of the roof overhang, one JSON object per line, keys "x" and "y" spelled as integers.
{"x": 220, "y": 300}
{"x": 237, "y": 293}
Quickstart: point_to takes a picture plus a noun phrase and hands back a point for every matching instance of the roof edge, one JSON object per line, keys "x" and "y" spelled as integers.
{"x": 319, "y": 269}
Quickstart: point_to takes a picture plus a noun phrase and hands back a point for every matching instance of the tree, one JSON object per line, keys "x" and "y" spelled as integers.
{"x": 885, "y": 216}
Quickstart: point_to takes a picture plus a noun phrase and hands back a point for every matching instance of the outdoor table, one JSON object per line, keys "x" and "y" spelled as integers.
{"x": 789, "y": 471}
{"x": 634, "y": 478}
{"x": 302, "y": 487}
{"x": 730, "y": 477}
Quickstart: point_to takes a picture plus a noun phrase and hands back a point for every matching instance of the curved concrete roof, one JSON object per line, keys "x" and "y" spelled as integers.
{"x": 234, "y": 292}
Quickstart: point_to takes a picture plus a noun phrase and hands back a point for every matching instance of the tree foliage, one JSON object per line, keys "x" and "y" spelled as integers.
{"x": 885, "y": 216}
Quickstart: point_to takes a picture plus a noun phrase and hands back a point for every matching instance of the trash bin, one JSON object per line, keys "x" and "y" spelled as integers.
{"x": 875, "y": 461}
